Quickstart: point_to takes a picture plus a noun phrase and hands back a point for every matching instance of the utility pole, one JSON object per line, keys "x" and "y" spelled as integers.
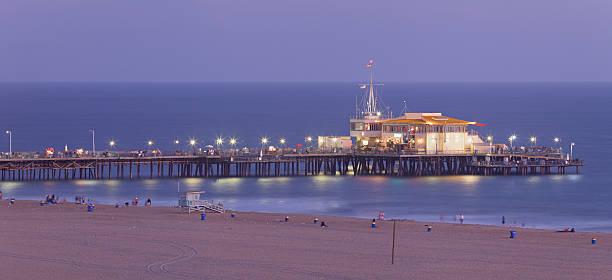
{"x": 393, "y": 246}
{"x": 10, "y": 133}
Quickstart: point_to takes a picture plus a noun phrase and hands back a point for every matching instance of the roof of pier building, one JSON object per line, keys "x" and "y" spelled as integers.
{"x": 427, "y": 119}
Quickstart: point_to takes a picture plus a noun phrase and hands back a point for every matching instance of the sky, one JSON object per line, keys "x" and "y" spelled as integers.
{"x": 305, "y": 41}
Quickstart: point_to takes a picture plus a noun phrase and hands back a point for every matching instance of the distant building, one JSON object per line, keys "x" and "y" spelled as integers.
{"x": 335, "y": 142}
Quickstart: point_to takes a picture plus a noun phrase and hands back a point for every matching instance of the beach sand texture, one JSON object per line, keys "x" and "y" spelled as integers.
{"x": 67, "y": 242}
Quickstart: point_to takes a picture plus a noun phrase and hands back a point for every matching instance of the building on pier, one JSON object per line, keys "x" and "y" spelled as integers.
{"x": 430, "y": 133}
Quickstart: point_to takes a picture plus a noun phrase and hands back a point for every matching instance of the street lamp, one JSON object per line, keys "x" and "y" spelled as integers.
{"x": 219, "y": 142}
{"x": 282, "y": 141}
{"x": 264, "y": 141}
{"x": 192, "y": 142}
{"x": 490, "y": 140}
{"x": 511, "y": 139}
{"x": 10, "y": 133}
{"x": 533, "y": 140}
{"x": 558, "y": 140}
{"x": 232, "y": 142}
{"x": 308, "y": 139}
{"x": 112, "y": 144}
{"x": 150, "y": 143}
{"x": 93, "y": 141}
{"x": 572, "y": 150}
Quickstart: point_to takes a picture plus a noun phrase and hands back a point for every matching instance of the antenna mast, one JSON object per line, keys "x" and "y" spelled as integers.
{"x": 371, "y": 106}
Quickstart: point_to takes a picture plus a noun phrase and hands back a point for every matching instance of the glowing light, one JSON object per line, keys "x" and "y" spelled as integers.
{"x": 264, "y": 140}
{"x": 532, "y": 139}
{"x": 365, "y": 142}
{"x": 112, "y": 143}
{"x": 176, "y": 142}
{"x": 557, "y": 139}
{"x": 420, "y": 140}
{"x": 150, "y": 143}
{"x": 232, "y": 141}
{"x": 282, "y": 141}
{"x": 378, "y": 113}
{"x": 219, "y": 141}
{"x": 489, "y": 138}
{"x": 192, "y": 142}
{"x": 335, "y": 139}
{"x": 308, "y": 139}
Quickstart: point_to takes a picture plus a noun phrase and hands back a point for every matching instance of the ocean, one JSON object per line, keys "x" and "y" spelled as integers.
{"x": 42, "y": 115}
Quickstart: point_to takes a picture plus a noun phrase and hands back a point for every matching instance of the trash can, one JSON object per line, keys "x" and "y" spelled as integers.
{"x": 512, "y": 234}
{"x": 203, "y": 216}
{"x": 90, "y": 208}
{"x": 429, "y": 229}
{"x": 287, "y": 219}
{"x": 316, "y": 220}
{"x": 593, "y": 241}
{"x": 42, "y": 203}
{"x": 233, "y": 215}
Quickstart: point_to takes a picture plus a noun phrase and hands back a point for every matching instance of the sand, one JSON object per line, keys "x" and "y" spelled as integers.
{"x": 67, "y": 242}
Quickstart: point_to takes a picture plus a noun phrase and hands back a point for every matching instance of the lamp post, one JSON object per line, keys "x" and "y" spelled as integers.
{"x": 10, "y": 133}
{"x": 233, "y": 142}
{"x": 219, "y": 143}
{"x": 93, "y": 141}
{"x": 558, "y": 140}
{"x": 264, "y": 141}
{"x": 511, "y": 139}
{"x": 572, "y": 150}
{"x": 490, "y": 140}
{"x": 192, "y": 142}
{"x": 112, "y": 144}
{"x": 533, "y": 140}
{"x": 309, "y": 139}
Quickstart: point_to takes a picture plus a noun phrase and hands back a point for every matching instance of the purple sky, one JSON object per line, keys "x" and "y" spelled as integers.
{"x": 290, "y": 40}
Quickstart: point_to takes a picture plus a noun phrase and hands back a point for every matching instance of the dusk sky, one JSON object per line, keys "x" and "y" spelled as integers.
{"x": 286, "y": 40}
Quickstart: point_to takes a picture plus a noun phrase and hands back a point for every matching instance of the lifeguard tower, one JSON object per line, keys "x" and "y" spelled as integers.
{"x": 191, "y": 202}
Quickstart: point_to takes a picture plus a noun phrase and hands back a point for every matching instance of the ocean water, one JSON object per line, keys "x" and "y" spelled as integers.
{"x": 56, "y": 114}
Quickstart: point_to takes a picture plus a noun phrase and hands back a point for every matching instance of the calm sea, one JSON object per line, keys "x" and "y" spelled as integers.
{"x": 56, "y": 114}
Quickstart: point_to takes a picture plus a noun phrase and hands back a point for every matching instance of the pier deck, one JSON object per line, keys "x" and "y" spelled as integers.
{"x": 305, "y": 164}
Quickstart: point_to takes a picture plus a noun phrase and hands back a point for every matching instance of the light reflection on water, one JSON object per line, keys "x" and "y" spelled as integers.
{"x": 540, "y": 201}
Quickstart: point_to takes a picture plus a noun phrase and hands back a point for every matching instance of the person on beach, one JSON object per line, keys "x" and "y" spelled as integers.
{"x": 503, "y": 220}
{"x": 148, "y": 202}
{"x": 323, "y": 225}
{"x": 461, "y": 218}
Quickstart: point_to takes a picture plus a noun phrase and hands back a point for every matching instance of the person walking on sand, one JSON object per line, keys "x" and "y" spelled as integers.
{"x": 503, "y": 220}
{"x": 461, "y": 218}
{"x": 148, "y": 201}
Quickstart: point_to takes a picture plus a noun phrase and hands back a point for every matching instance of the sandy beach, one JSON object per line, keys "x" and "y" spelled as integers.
{"x": 65, "y": 241}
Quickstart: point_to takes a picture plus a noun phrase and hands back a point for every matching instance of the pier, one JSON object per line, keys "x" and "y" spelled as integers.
{"x": 278, "y": 165}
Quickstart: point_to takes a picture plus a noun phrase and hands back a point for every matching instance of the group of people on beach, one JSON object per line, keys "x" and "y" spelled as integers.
{"x": 135, "y": 203}
{"x": 52, "y": 199}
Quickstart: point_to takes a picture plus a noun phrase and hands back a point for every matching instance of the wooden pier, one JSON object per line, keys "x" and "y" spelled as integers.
{"x": 356, "y": 164}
